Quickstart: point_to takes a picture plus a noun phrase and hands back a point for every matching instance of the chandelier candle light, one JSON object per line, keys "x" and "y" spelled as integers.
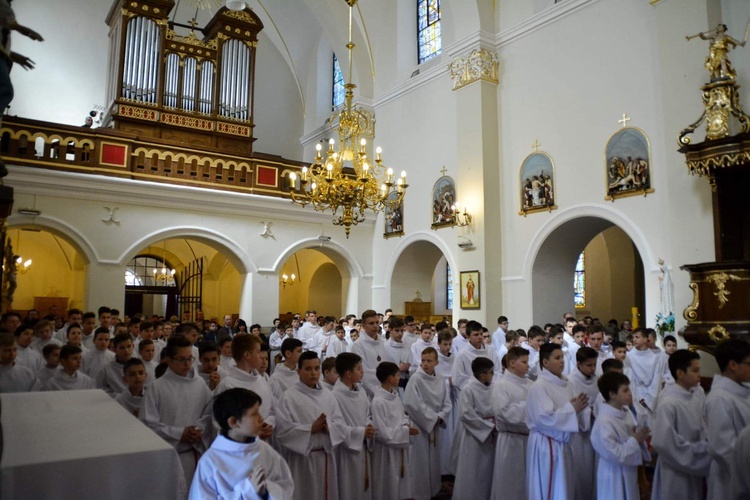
{"x": 348, "y": 179}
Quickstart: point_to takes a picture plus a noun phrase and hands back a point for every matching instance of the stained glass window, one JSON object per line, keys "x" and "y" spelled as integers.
{"x": 338, "y": 84}
{"x": 448, "y": 287}
{"x": 428, "y": 29}
{"x": 580, "y": 282}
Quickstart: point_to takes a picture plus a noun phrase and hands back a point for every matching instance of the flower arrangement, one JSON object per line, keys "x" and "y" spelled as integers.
{"x": 665, "y": 325}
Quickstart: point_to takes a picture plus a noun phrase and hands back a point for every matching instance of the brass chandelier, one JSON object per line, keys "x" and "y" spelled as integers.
{"x": 348, "y": 180}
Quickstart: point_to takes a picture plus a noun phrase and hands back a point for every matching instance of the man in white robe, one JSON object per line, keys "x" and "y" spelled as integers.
{"x": 680, "y": 433}
{"x": 309, "y": 328}
{"x": 177, "y": 407}
{"x": 509, "y": 406}
{"x": 310, "y": 427}
{"x": 371, "y": 348}
{"x": 727, "y": 412}
{"x": 584, "y": 381}
{"x": 553, "y": 413}
{"x": 596, "y": 340}
{"x": 427, "y": 402}
{"x": 99, "y": 356}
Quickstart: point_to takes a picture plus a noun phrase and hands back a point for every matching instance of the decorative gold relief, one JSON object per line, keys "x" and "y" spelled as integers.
{"x": 691, "y": 312}
{"x": 241, "y": 15}
{"x": 191, "y": 39}
{"x": 720, "y": 280}
{"x": 706, "y": 167}
{"x": 718, "y": 334}
{"x": 134, "y": 112}
{"x": 187, "y": 121}
{"x": 479, "y": 64}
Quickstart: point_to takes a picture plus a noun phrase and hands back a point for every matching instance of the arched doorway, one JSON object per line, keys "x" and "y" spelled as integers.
{"x": 52, "y": 271}
{"x": 422, "y": 282}
{"x": 317, "y": 285}
{"x": 612, "y": 274}
{"x": 205, "y": 283}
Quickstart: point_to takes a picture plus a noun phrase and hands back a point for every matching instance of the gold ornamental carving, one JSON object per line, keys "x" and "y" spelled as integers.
{"x": 718, "y": 334}
{"x": 691, "y": 311}
{"x": 720, "y": 280}
{"x": 479, "y": 64}
{"x": 241, "y": 15}
{"x": 191, "y": 39}
{"x": 706, "y": 167}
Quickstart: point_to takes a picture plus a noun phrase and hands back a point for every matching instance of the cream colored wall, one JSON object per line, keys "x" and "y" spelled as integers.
{"x": 414, "y": 272}
{"x": 324, "y": 291}
{"x": 318, "y": 285}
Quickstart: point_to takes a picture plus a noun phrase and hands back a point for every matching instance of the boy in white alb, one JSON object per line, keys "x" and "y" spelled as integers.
{"x": 553, "y": 412}
{"x": 536, "y": 339}
{"x": 26, "y": 356}
{"x": 110, "y": 377}
{"x": 210, "y": 369}
{"x": 339, "y": 345}
{"x": 425, "y": 340}
{"x": 323, "y": 338}
{"x": 727, "y": 412}
{"x": 618, "y": 443}
{"x": 370, "y": 347}
{"x": 448, "y": 431}
{"x": 509, "y": 406}
{"x": 596, "y": 340}
{"x": 353, "y": 462}
{"x": 584, "y": 381}
{"x": 87, "y": 327}
{"x": 427, "y": 401}
{"x": 134, "y": 374}
{"x": 225, "y": 347}
{"x": 475, "y": 433}
{"x": 68, "y": 378}
{"x": 647, "y": 369}
{"x": 578, "y": 336}
{"x": 43, "y": 336}
{"x": 51, "y": 355}
{"x": 177, "y": 406}
{"x": 99, "y": 356}
{"x": 239, "y": 464}
{"x": 397, "y": 352}
{"x": 680, "y": 432}
{"x": 329, "y": 377}
{"x": 309, "y": 428}
{"x": 410, "y": 332}
{"x": 309, "y": 328}
{"x": 285, "y": 374}
{"x": 462, "y": 372}
{"x": 391, "y": 450}
{"x": 147, "y": 352}
{"x": 13, "y": 377}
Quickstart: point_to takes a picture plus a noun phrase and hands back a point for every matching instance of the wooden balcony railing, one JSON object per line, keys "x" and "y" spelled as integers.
{"x": 102, "y": 151}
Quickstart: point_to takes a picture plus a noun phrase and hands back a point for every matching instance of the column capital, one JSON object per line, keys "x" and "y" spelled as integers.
{"x": 477, "y": 64}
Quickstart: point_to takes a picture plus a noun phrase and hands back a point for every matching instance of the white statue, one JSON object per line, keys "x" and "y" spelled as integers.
{"x": 666, "y": 289}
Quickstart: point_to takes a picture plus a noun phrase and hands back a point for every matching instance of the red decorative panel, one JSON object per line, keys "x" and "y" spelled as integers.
{"x": 266, "y": 176}
{"x": 113, "y": 154}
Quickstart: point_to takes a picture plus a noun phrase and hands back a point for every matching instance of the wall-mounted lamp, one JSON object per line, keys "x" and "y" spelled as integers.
{"x": 287, "y": 280}
{"x": 460, "y": 219}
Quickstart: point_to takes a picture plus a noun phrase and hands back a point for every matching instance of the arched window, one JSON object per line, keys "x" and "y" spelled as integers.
{"x": 140, "y": 272}
{"x": 428, "y": 29}
{"x": 580, "y": 282}
{"x": 338, "y": 84}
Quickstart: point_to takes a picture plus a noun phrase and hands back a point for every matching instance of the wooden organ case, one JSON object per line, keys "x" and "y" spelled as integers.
{"x": 186, "y": 89}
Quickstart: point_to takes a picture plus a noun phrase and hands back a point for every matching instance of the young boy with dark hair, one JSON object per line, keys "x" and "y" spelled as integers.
{"x": 353, "y": 455}
{"x": 68, "y": 378}
{"x": 99, "y": 356}
{"x": 74, "y": 337}
{"x": 285, "y": 374}
{"x": 110, "y": 377}
{"x": 680, "y": 432}
{"x": 727, "y": 412}
{"x": 553, "y": 412}
{"x": 26, "y": 356}
{"x": 462, "y": 371}
{"x": 210, "y": 369}
{"x": 509, "y": 407}
{"x": 330, "y": 376}
{"x": 321, "y": 341}
{"x": 670, "y": 344}
{"x": 391, "y": 449}
{"x": 310, "y": 427}
{"x": 444, "y": 369}
{"x": 13, "y": 377}
{"x": 51, "y": 355}
{"x": 43, "y": 336}
{"x": 135, "y": 377}
{"x": 238, "y": 464}
{"x": 578, "y": 336}
{"x": 617, "y": 441}
{"x": 428, "y": 403}
{"x": 475, "y": 458}
{"x": 425, "y": 340}
{"x": 265, "y": 353}
{"x": 397, "y": 352}
{"x": 339, "y": 345}
{"x": 87, "y": 327}
{"x": 225, "y": 348}
{"x": 177, "y": 406}
{"x": 371, "y": 348}
{"x": 583, "y": 380}
{"x": 147, "y": 352}
{"x": 536, "y": 340}
{"x": 649, "y": 371}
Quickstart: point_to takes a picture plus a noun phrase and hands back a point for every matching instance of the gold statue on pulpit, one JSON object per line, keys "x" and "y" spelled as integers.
{"x": 717, "y": 62}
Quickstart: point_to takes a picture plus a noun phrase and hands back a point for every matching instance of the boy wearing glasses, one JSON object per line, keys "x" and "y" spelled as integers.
{"x": 177, "y": 406}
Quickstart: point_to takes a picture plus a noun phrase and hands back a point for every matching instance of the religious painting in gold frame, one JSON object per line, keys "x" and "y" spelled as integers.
{"x": 394, "y": 218}
{"x": 537, "y": 178}
{"x": 628, "y": 164}
{"x": 443, "y": 201}
{"x": 469, "y": 288}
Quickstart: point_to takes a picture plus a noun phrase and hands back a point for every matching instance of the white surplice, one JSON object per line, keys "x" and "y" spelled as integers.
{"x": 372, "y": 353}
{"x": 552, "y": 419}
{"x": 580, "y": 442}
{"x": 17, "y": 378}
{"x": 648, "y": 370}
{"x": 131, "y": 403}
{"x": 310, "y": 456}
{"x": 509, "y": 406}
{"x": 459, "y": 343}
{"x": 727, "y": 414}
{"x": 225, "y": 469}
{"x": 570, "y": 357}
{"x": 446, "y": 433}
{"x": 173, "y": 403}
{"x": 427, "y": 398}
{"x": 740, "y": 462}
{"x": 353, "y": 460}
{"x": 336, "y": 347}
{"x": 534, "y": 367}
{"x": 415, "y": 351}
{"x": 43, "y": 375}
{"x": 95, "y": 360}
{"x": 390, "y": 453}
{"x": 397, "y": 352}
{"x": 28, "y": 357}
{"x": 110, "y": 378}
{"x": 474, "y": 443}
{"x": 227, "y": 362}
{"x": 679, "y": 437}
{"x": 282, "y": 379}
{"x": 253, "y": 382}
{"x": 61, "y": 381}
{"x": 619, "y": 454}
{"x": 462, "y": 373}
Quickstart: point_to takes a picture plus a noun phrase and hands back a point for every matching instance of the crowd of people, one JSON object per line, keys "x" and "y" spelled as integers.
{"x": 381, "y": 407}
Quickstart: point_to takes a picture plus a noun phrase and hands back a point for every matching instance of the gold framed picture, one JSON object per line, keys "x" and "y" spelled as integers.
{"x": 470, "y": 293}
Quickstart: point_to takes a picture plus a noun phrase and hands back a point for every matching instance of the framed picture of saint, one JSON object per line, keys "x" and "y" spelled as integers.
{"x": 470, "y": 290}
{"x": 394, "y": 217}
{"x": 443, "y": 199}
{"x": 537, "y": 184}
{"x": 628, "y": 164}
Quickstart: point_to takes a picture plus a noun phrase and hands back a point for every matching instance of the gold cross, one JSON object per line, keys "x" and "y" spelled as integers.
{"x": 443, "y": 170}
{"x": 193, "y": 23}
{"x": 625, "y": 119}
{"x": 536, "y": 145}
